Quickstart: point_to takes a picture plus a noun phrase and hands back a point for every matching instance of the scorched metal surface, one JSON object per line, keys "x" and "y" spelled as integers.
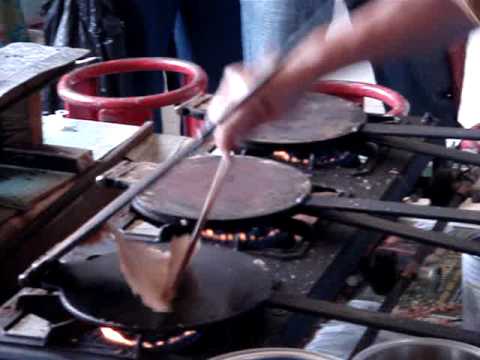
{"x": 321, "y": 118}
{"x": 316, "y": 118}
{"x": 253, "y": 188}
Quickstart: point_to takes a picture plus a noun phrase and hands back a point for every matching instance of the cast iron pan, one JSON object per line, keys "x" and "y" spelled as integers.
{"x": 217, "y": 287}
{"x": 322, "y": 118}
{"x": 316, "y": 118}
{"x": 254, "y": 188}
{"x": 323, "y": 121}
{"x": 258, "y": 188}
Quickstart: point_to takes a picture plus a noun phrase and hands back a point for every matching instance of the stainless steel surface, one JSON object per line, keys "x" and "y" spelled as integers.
{"x": 420, "y": 349}
{"x": 274, "y": 353}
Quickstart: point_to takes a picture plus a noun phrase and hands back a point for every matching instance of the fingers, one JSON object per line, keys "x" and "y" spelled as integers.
{"x": 229, "y": 135}
{"x": 268, "y": 104}
{"x": 234, "y": 86}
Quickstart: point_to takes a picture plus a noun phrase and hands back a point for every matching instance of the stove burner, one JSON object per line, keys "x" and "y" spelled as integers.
{"x": 119, "y": 338}
{"x": 288, "y": 238}
{"x": 242, "y": 238}
{"x": 286, "y": 157}
{"x": 256, "y": 239}
{"x": 312, "y": 161}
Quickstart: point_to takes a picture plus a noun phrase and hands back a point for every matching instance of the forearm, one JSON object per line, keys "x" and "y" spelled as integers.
{"x": 381, "y": 29}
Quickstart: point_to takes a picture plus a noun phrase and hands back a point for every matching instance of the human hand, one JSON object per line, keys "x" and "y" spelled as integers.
{"x": 268, "y": 104}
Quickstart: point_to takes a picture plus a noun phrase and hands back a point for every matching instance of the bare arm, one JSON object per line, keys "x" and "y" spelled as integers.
{"x": 381, "y": 29}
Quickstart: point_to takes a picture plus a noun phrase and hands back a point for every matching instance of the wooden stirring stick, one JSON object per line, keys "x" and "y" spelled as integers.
{"x": 215, "y": 187}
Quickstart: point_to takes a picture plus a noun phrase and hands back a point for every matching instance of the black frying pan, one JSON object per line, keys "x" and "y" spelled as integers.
{"x": 257, "y": 189}
{"x": 319, "y": 118}
{"x": 324, "y": 121}
{"x": 215, "y": 288}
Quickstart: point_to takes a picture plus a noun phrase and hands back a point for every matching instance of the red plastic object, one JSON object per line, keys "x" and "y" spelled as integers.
{"x": 471, "y": 145}
{"x": 78, "y": 89}
{"x": 193, "y": 126}
{"x": 357, "y": 91}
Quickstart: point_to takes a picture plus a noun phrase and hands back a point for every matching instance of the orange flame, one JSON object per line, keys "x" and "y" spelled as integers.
{"x": 117, "y": 337}
{"x": 286, "y": 157}
{"x": 208, "y": 233}
{"x": 282, "y": 155}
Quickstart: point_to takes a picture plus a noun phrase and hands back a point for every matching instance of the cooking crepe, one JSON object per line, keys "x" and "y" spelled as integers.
{"x": 151, "y": 272}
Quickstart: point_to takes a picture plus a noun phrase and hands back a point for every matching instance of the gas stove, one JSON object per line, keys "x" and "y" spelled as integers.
{"x": 36, "y": 324}
{"x": 309, "y": 258}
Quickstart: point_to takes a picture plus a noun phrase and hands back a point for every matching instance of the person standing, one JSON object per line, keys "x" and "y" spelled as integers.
{"x": 267, "y": 24}
{"x": 426, "y": 82}
{"x": 204, "y": 32}
{"x": 403, "y": 27}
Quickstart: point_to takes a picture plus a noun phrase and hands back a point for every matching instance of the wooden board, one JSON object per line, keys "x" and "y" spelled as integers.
{"x": 48, "y": 157}
{"x": 21, "y": 124}
{"x": 98, "y": 137}
{"x": 21, "y": 187}
{"x": 27, "y": 224}
{"x": 26, "y": 68}
{"x": 29, "y": 66}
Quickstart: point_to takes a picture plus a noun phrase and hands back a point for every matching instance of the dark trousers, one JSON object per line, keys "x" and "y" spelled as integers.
{"x": 206, "y": 32}
{"x": 426, "y": 81}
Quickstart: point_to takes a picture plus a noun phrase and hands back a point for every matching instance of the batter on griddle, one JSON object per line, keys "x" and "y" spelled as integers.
{"x": 151, "y": 272}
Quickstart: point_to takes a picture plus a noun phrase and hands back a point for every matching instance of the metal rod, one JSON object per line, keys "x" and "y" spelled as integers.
{"x": 420, "y": 147}
{"x": 373, "y": 319}
{"x": 387, "y": 306}
{"x": 421, "y": 131}
{"x": 395, "y": 228}
{"x": 378, "y": 207}
{"x": 403, "y": 284}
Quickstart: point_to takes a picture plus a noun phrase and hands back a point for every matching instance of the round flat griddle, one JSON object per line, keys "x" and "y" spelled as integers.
{"x": 316, "y": 118}
{"x": 217, "y": 287}
{"x": 253, "y": 188}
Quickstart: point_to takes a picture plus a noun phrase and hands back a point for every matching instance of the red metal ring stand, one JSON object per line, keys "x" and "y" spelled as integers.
{"x": 357, "y": 91}
{"x": 353, "y": 91}
{"x": 78, "y": 89}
